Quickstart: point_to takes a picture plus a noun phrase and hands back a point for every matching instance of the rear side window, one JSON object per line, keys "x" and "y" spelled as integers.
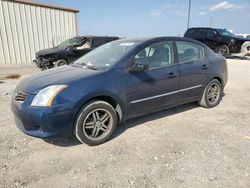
{"x": 191, "y": 32}
{"x": 190, "y": 52}
{"x": 211, "y": 33}
{"x": 98, "y": 42}
{"x": 197, "y": 32}
{"x": 110, "y": 39}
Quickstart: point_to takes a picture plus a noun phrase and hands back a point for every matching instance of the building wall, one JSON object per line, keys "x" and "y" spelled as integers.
{"x": 27, "y": 28}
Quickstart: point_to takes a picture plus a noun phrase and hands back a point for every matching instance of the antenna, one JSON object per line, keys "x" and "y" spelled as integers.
{"x": 211, "y": 21}
{"x": 189, "y": 11}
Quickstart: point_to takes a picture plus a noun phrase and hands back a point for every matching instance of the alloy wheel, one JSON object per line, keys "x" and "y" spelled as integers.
{"x": 223, "y": 50}
{"x": 213, "y": 93}
{"x": 97, "y": 124}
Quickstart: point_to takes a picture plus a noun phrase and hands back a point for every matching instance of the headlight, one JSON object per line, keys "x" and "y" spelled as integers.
{"x": 46, "y": 96}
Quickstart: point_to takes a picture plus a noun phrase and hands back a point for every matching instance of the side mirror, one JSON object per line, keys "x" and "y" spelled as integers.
{"x": 138, "y": 67}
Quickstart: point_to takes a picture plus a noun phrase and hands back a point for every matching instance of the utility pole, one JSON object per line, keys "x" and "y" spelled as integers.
{"x": 211, "y": 21}
{"x": 189, "y": 12}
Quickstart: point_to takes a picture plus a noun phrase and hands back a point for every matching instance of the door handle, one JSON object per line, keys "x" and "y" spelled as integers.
{"x": 171, "y": 75}
{"x": 205, "y": 66}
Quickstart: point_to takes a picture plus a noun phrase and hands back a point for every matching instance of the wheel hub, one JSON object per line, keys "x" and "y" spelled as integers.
{"x": 213, "y": 93}
{"x": 97, "y": 123}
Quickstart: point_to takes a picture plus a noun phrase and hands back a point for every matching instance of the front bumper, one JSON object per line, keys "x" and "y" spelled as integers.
{"x": 39, "y": 63}
{"x": 42, "y": 122}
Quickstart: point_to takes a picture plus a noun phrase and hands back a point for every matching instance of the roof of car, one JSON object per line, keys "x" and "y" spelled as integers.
{"x": 158, "y": 39}
{"x": 203, "y": 28}
{"x": 144, "y": 39}
{"x": 91, "y": 36}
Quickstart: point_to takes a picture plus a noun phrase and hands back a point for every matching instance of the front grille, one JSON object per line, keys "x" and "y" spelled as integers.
{"x": 20, "y": 96}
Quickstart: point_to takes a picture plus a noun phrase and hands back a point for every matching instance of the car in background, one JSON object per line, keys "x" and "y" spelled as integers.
{"x": 221, "y": 41}
{"x": 69, "y": 50}
{"x": 115, "y": 82}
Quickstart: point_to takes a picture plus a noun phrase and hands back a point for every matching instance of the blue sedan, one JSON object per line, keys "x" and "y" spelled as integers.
{"x": 116, "y": 82}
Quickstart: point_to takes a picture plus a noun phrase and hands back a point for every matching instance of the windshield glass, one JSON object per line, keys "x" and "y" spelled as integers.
{"x": 106, "y": 55}
{"x": 70, "y": 42}
{"x": 224, "y": 32}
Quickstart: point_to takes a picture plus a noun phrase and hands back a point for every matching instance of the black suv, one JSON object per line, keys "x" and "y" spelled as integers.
{"x": 219, "y": 40}
{"x": 68, "y": 51}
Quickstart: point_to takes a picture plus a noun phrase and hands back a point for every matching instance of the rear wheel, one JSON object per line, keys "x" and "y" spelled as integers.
{"x": 212, "y": 94}
{"x": 60, "y": 62}
{"x": 95, "y": 123}
{"x": 223, "y": 50}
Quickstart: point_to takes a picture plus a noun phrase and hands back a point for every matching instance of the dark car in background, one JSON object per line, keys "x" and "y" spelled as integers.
{"x": 70, "y": 50}
{"x": 219, "y": 40}
{"x": 116, "y": 82}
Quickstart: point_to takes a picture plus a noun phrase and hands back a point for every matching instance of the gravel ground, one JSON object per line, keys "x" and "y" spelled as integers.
{"x": 187, "y": 146}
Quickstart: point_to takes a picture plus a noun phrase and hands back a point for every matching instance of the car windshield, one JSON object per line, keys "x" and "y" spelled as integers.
{"x": 225, "y": 32}
{"x": 105, "y": 56}
{"x": 70, "y": 42}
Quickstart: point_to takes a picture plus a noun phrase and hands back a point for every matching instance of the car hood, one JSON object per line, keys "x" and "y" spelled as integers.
{"x": 61, "y": 75}
{"x": 47, "y": 52}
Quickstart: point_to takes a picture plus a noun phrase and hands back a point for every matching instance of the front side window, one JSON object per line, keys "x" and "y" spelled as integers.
{"x": 225, "y": 32}
{"x": 156, "y": 55}
{"x": 71, "y": 42}
{"x": 189, "y": 52}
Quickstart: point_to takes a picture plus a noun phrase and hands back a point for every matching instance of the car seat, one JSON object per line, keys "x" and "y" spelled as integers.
{"x": 160, "y": 57}
{"x": 189, "y": 55}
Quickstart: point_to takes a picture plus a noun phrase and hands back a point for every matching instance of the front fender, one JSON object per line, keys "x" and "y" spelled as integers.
{"x": 120, "y": 108}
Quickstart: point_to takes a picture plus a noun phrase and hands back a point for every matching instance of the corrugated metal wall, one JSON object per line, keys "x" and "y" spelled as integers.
{"x": 25, "y": 29}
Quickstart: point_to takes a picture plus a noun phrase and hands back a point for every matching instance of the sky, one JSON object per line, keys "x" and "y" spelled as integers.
{"x": 129, "y": 18}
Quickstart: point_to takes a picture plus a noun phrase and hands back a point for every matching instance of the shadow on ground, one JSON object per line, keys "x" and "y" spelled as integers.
{"x": 151, "y": 117}
{"x": 72, "y": 141}
{"x": 63, "y": 141}
{"x": 238, "y": 57}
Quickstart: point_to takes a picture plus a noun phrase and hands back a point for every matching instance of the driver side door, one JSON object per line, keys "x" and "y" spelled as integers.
{"x": 156, "y": 87}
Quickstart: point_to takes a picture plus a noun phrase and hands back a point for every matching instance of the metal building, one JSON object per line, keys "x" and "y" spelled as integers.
{"x": 27, "y": 26}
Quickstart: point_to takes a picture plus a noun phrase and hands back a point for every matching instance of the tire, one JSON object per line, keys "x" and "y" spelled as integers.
{"x": 95, "y": 123}
{"x": 60, "y": 62}
{"x": 223, "y": 50}
{"x": 245, "y": 49}
{"x": 211, "y": 97}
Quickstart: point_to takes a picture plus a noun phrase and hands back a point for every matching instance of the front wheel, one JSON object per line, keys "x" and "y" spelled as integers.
{"x": 212, "y": 94}
{"x": 223, "y": 50}
{"x": 60, "y": 62}
{"x": 95, "y": 123}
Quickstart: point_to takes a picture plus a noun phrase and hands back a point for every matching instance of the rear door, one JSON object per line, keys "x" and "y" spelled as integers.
{"x": 193, "y": 66}
{"x": 213, "y": 39}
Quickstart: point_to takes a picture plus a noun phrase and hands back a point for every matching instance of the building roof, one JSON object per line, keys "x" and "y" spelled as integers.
{"x": 46, "y": 5}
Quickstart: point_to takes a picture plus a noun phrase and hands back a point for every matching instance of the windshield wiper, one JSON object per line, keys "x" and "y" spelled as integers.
{"x": 92, "y": 67}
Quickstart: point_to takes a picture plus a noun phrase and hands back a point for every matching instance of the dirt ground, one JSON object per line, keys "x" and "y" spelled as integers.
{"x": 187, "y": 146}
